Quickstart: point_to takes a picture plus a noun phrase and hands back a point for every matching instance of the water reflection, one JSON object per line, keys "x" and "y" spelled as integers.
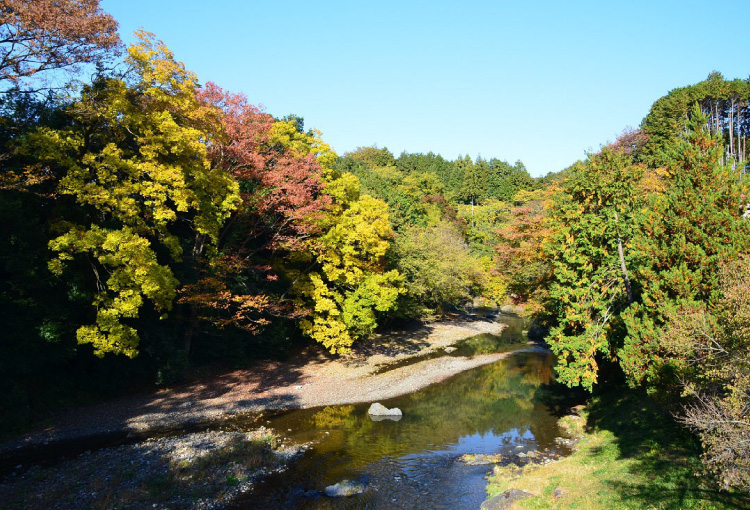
{"x": 512, "y": 338}
{"x": 412, "y": 463}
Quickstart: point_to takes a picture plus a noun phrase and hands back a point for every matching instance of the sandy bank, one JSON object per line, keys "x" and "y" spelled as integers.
{"x": 309, "y": 379}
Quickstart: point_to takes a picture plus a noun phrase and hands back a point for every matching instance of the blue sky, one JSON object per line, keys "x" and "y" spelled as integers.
{"x": 542, "y": 82}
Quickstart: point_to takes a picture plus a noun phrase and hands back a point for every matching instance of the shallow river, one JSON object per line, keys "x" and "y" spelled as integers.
{"x": 413, "y": 463}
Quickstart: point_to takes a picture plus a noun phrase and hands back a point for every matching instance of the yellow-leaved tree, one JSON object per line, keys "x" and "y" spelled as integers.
{"x": 134, "y": 160}
{"x": 350, "y": 285}
{"x": 339, "y": 271}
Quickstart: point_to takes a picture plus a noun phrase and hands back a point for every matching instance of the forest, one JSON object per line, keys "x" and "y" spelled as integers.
{"x": 151, "y": 224}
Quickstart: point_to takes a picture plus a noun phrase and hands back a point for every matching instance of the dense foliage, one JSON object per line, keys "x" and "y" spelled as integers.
{"x": 628, "y": 244}
{"x": 149, "y": 223}
{"x": 646, "y": 244}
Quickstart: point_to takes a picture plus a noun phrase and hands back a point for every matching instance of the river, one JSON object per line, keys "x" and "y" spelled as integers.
{"x": 414, "y": 462}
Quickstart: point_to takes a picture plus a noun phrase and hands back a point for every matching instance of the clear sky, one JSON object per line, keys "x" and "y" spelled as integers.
{"x": 539, "y": 81}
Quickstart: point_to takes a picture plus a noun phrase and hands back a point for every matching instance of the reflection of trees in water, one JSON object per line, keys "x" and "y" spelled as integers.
{"x": 494, "y": 398}
{"x": 486, "y": 344}
{"x": 333, "y": 417}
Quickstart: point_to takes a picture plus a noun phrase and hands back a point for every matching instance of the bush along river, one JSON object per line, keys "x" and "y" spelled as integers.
{"x": 436, "y": 455}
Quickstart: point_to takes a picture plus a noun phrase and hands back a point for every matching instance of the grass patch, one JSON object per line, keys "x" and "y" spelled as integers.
{"x": 633, "y": 456}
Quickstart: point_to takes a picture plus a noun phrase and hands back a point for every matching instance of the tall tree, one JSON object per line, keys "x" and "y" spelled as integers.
{"x": 725, "y": 110}
{"x": 474, "y": 182}
{"x": 589, "y": 223}
{"x": 685, "y": 233}
{"x": 37, "y": 36}
{"x": 136, "y": 164}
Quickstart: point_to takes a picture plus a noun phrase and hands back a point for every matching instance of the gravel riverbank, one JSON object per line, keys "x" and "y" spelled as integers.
{"x": 199, "y": 471}
{"x": 309, "y": 379}
{"x": 207, "y": 469}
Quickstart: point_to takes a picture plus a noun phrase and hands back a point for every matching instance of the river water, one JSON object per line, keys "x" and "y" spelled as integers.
{"x": 414, "y": 462}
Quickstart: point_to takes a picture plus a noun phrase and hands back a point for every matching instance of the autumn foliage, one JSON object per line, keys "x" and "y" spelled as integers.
{"x": 47, "y": 35}
{"x": 150, "y": 222}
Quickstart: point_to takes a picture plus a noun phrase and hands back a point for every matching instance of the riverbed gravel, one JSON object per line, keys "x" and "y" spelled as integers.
{"x": 310, "y": 379}
{"x": 203, "y": 470}
{"x": 199, "y": 471}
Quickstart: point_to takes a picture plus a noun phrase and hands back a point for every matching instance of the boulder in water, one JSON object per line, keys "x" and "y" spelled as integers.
{"x": 345, "y": 488}
{"x": 378, "y": 409}
{"x": 393, "y": 417}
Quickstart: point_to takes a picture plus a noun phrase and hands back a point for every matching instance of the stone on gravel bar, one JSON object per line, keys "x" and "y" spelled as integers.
{"x": 378, "y": 409}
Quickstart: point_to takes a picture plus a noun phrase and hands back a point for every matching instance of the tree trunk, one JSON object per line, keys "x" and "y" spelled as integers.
{"x": 731, "y": 128}
{"x": 187, "y": 339}
{"x": 193, "y": 272}
{"x": 623, "y": 267}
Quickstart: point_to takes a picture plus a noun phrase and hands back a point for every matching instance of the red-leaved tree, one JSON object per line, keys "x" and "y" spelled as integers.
{"x": 282, "y": 202}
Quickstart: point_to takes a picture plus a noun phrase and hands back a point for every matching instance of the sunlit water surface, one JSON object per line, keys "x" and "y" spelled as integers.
{"x": 413, "y": 463}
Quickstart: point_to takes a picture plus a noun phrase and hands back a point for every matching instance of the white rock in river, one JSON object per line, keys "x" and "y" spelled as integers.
{"x": 345, "y": 488}
{"x": 395, "y": 417}
{"x": 378, "y": 409}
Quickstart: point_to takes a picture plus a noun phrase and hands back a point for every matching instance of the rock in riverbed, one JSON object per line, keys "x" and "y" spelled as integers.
{"x": 504, "y": 500}
{"x": 378, "y": 409}
{"x": 514, "y": 309}
{"x": 345, "y": 488}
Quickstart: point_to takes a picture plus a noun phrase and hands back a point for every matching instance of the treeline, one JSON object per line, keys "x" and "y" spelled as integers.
{"x": 446, "y": 217}
{"x": 641, "y": 268}
{"x": 151, "y": 223}
{"x": 725, "y": 105}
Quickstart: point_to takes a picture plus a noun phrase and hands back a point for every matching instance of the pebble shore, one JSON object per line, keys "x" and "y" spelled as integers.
{"x": 203, "y": 470}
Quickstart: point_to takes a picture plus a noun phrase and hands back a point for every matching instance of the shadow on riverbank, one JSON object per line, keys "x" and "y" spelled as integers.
{"x": 308, "y": 378}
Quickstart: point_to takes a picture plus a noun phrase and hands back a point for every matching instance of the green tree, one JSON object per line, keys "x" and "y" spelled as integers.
{"x": 506, "y": 180}
{"x": 591, "y": 226}
{"x": 724, "y": 106}
{"x": 629, "y": 246}
{"x": 439, "y": 270}
{"x": 372, "y": 157}
{"x": 685, "y": 233}
{"x": 474, "y": 180}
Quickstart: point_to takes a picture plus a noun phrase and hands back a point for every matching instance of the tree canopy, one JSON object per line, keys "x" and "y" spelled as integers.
{"x": 52, "y": 35}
